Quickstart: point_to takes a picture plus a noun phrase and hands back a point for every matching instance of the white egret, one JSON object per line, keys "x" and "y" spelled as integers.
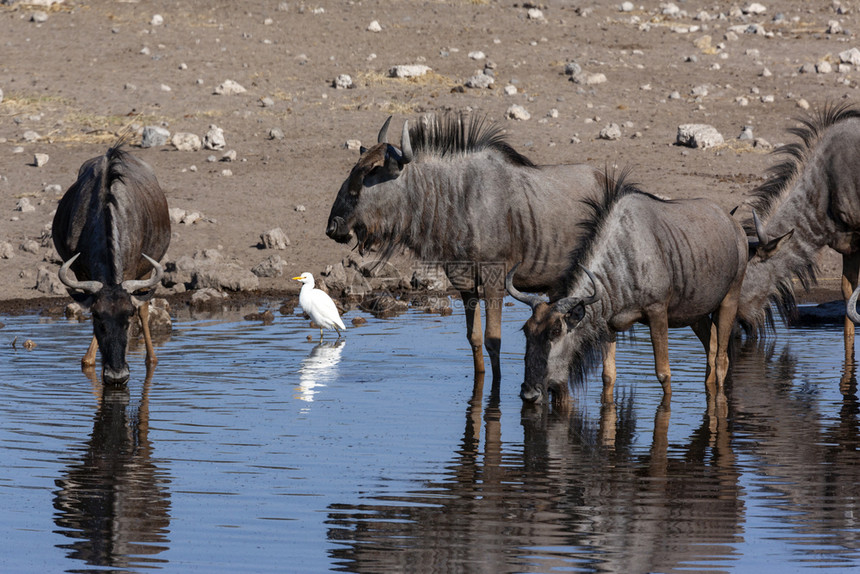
{"x": 318, "y": 305}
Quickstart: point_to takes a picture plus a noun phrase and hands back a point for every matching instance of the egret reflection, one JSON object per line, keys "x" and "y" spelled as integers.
{"x": 319, "y": 368}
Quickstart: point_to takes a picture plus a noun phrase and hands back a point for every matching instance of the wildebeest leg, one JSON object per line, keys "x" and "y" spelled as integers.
{"x": 609, "y": 371}
{"x": 473, "y": 327}
{"x": 143, "y": 314}
{"x": 724, "y": 321}
{"x": 493, "y": 333}
{"x": 706, "y": 330}
{"x": 89, "y": 360}
{"x": 659, "y": 322}
{"x": 850, "y": 271}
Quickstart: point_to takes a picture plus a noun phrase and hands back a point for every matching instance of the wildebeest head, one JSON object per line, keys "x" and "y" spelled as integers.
{"x": 553, "y": 343}
{"x": 377, "y": 165}
{"x": 112, "y": 307}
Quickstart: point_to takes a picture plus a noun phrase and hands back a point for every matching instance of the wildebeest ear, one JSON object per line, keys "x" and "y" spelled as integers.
{"x": 362, "y": 150}
{"x": 575, "y": 315}
{"x": 767, "y": 250}
{"x": 85, "y": 300}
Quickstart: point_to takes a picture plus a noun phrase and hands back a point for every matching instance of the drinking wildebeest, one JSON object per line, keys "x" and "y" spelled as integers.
{"x": 815, "y": 192}
{"x": 111, "y": 228}
{"x": 664, "y": 263}
{"x": 457, "y": 193}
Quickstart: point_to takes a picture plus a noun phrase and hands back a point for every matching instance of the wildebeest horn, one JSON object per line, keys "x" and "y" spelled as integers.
{"x": 529, "y": 299}
{"x": 760, "y": 231}
{"x": 132, "y": 285}
{"x": 566, "y": 304}
{"x": 851, "y": 307}
{"x": 67, "y": 276}
{"x": 405, "y": 144}
{"x": 384, "y": 131}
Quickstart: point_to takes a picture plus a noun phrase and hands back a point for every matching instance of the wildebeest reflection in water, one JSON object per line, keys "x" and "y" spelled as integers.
{"x": 319, "y": 368}
{"x": 575, "y": 495}
{"x": 114, "y": 501}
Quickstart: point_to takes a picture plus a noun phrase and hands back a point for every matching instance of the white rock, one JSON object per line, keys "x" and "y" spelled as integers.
{"x": 39, "y": 17}
{"x": 698, "y": 136}
{"x": 851, "y": 56}
{"x": 24, "y": 205}
{"x": 478, "y": 55}
{"x": 408, "y": 70}
{"x": 535, "y": 14}
{"x": 627, "y": 7}
{"x": 44, "y": 3}
{"x": 6, "y": 250}
{"x": 802, "y": 104}
{"x": 510, "y": 90}
{"x": 30, "y": 136}
{"x": 754, "y": 8}
{"x": 176, "y": 214}
{"x": 594, "y": 79}
{"x": 229, "y": 88}
{"x": 353, "y": 145}
{"x": 1, "y": 96}
{"x": 374, "y": 27}
{"x": 834, "y": 27}
{"x": 192, "y": 217}
{"x": 480, "y": 80}
{"x": 184, "y": 141}
{"x": 275, "y": 239}
{"x": 611, "y": 132}
{"x": 154, "y": 136}
{"x": 40, "y": 159}
{"x": 669, "y": 9}
{"x": 823, "y": 67}
{"x": 343, "y": 82}
{"x": 157, "y": 20}
{"x": 517, "y": 112}
{"x": 214, "y": 138}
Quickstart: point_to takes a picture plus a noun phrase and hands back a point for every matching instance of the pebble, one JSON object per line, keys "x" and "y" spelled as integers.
{"x": 851, "y": 56}
{"x": 184, "y": 141}
{"x": 30, "y": 136}
{"x": 480, "y": 81}
{"x": 834, "y": 27}
{"x": 353, "y": 145}
{"x": 229, "y": 155}
{"x": 6, "y": 250}
{"x": 24, "y": 205}
{"x": 1, "y": 95}
{"x": 626, "y": 7}
{"x": 157, "y": 20}
{"x": 478, "y": 55}
{"x": 802, "y": 104}
{"x": 517, "y": 112}
{"x": 510, "y": 90}
{"x": 154, "y": 136}
{"x": 611, "y": 132}
{"x": 274, "y": 239}
{"x": 229, "y": 88}
{"x": 343, "y": 82}
{"x": 746, "y": 133}
{"x": 300, "y": 208}
{"x": 594, "y": 79}
{"x": 39, "y": 17}
{"x": 754, "y": 8}
{"x": 374, "y": 27}
{"x": 276, "y": 134}
{"x": 54, "y": 188}
{"x": 214, "y": 138}
{"x": 267, "y": 102}
{"x": 535, "y": 14}
{"x": 408, "y": 70}
{"x": 700, "y": 136}
{"x": 226, "y": 173}
{"x": 40, "y": 159}
{"x": 30, "y": 246}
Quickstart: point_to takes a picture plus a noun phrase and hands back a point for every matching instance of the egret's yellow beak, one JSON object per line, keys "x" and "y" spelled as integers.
{"x": 297, "y": 278}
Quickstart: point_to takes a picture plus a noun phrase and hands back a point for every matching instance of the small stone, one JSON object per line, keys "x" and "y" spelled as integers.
{"x": 267, "y": 102}
{"x": 765, "y": 73}
{"x": 176, "y": 214}
{"x": 274, "y": 239}
{"x": 157, "y": 20}
{"x": 39, "y": 17}
{"x": 480, "y": 81}
{"x": 572, "y": 69}
{"x": 29, "y": 246}
{"x": 226, "y": 173}
{"x": 627, "y": 7}
{"x": 802, "y": 104}
{"x": 40, "y": 159}
{"x": 807, "y": 68}
{"x": 343, "y": 82}
{"x": 517, "y": 112}
{"x": 700, "y": 136}
{"x": 834, "y": 27}
{"x": 510, "y": 90}
{"x": 477, "y": 55}
{"x": 594, "y": 79}
{"x": 154, "y": 136}
{"x": 374, "y": 27}
{"x": 408, "y": 71}
{"x": 272, "y": 266}
{"x": 54, "y": 188}
{"x": 229, "y": 156}
{"x": 611, "y": 132}
{"x": 30, "y": 136}
{"x": 276, "y": 134}
{"x": 535, "y": 14}
{"x": 214, "y": 138}
{"x": 229, "y": 88}
{"x": 746, "y": 133}
{"x": 823, "y": 67}
{"x": 851, "y": 56}
{"x": 300, "y": 208}
{"x": 166, "y": 88}
{"x": 353, "y": 145}
{"x": 184, "y": 141}
{"x": 6, "y": 250}
{"x": 754, "y": 8}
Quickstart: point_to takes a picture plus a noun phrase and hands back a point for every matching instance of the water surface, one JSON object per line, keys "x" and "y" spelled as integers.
{"x": 250, "y": 448}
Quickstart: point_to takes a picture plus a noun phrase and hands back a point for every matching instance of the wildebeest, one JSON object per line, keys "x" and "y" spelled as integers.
{"x": 816, "y": 193}
{"x": 458, "y": 194}
{"x": 664, "y": 263}
{"x": 111, "y": 229}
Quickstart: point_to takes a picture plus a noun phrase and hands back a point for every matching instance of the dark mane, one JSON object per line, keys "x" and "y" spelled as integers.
{"x": 767, "y": 194}
{"x": 114, "y": 172}
{"x": 457, "y": 135}
{"x": 600, "y": 208}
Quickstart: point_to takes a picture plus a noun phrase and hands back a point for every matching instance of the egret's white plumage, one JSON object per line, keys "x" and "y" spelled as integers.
{"x": 318, "y": 305}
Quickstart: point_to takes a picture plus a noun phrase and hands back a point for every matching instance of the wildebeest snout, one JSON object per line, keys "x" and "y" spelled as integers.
{"x": 115, "y": 376}
{"x": 531, "y": 393}
{"x": 337, "y": 229}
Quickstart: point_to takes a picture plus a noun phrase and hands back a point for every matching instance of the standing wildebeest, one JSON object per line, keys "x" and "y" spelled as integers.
{"x": 457, "y": 193}
{"x": 664, "y": 263}
{"x": 815, "y": 192}
{"x": 111, "y": 228}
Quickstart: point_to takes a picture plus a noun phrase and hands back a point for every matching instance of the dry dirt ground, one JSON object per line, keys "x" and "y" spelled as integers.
{"x": 92, "y": 68}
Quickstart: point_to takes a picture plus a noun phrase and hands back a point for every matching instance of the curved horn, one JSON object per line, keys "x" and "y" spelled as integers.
{"x": 384, "y": 131}
{"x": 566, "y": 304}
{"x": 530, "y": 300}
{"x": 405, "y": 144}
{"x": 851, "y": 307}
{"x": 132, "y": 285}
{"x": 67, "y": 276}
{"x": 760, "y": 231}
{"x": 594, "y": 297}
